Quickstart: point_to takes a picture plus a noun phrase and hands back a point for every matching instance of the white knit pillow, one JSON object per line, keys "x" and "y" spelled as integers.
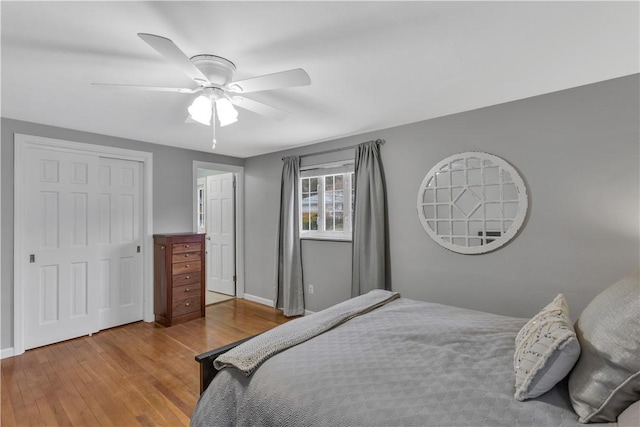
{"x": 546, "y": 350}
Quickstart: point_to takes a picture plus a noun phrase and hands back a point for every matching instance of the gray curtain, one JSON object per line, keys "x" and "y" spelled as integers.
{"x": 369, "y": 221}
{"x": 289, "y": 295}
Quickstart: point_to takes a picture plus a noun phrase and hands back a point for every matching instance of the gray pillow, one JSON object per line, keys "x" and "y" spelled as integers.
{"x": 606, "y": 378}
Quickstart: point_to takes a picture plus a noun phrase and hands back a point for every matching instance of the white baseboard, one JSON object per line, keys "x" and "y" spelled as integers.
{"x": 259, "y": 300}
{"x": 6, "y": 352}
{"x": 268, "y": 302}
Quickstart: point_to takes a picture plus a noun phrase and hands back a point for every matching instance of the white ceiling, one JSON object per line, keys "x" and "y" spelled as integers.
{"x": 373, "y": 65}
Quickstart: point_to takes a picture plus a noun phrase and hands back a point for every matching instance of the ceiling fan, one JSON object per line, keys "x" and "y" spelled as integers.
{"x": 219, "y": 92}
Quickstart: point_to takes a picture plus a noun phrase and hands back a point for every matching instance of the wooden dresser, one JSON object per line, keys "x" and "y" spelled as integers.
{"x": 179, "y": 277}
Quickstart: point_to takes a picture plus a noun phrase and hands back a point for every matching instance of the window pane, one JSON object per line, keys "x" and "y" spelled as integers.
{"x": 309, "y": 203}
{"x": 309, "y": 217}
{"x": 304, "y": 224}
{"x": 338, "y": 198}
{"x": 353, "y": 196}
{"x": 328, "y": 183}
{"x": 201, "y": 207}
{"x": 329, "y": 221}
{"x": 339, "y": 221}
{"x": 339, "y": 181}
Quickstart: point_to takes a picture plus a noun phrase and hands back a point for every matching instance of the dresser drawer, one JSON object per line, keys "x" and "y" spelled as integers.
{"x": 186, "y": 291}
{"x": 177, "y": 248}
{"x": 186, "y": 279}
{"x": 186, "y": 267}
{"x": 185, "y": 256}
{"x": 186, "y": 305}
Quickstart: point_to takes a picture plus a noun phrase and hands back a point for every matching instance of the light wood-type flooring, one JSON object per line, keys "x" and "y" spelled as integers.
{"x": 140, "y": 374}
{"x": 215, "y": 297}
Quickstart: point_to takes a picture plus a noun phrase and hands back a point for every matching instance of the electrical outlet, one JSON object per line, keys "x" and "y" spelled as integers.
{"x": 310, "y": 289}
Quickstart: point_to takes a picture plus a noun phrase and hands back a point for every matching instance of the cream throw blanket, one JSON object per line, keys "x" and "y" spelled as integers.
{"x": 251, "y": 354}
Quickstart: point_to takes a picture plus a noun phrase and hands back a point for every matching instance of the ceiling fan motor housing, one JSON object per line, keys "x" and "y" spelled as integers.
{"x": 218, "y": 70}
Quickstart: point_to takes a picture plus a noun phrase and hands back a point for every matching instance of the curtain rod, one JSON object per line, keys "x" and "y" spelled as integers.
{"x": 381, "y": 141}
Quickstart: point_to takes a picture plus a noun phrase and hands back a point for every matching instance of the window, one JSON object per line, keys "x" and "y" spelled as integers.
{"x": 326, "y": 203}
{"x": 200, "y": 214}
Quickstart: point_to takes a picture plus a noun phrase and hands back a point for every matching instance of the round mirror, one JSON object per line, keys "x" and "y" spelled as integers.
{"x": 472, "y": 202}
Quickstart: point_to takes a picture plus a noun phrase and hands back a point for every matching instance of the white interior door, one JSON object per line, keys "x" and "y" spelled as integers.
{"x": 220, "y": 219}
{"x": 120, "y": 240}
{"x": 60, "y": 246}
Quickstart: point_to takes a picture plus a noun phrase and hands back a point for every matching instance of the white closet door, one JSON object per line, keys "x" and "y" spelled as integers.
{"x": 60, "y": 246}
{"x": 220, "y": 218}
{"x": 120, "y": 237}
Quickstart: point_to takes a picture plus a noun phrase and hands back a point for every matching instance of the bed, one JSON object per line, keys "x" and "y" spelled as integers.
{"x": 404, "y": 363}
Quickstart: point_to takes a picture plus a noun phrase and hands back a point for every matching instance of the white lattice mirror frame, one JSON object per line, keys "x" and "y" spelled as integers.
{"x": 472, "y": 203}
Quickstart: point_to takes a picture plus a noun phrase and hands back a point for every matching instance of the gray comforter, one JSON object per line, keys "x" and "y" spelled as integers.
{"x": 251, "y": 354}
{"x": 406, "y": 363}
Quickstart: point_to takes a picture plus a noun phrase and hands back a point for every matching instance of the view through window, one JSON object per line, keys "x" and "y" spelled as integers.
{"x": 326, "y": 205}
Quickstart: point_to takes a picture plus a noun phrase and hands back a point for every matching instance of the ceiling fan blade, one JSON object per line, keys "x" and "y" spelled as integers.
{"x": 259, "y": 108}
{"x": 149, "y": 88}
{"x": 172, "y": 53}
{"x": 290, "y": 78}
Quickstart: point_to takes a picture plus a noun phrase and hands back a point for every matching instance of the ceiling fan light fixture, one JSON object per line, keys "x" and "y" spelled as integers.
{"x": 226, "y": 113}
{"x": 214, "y": 77}
{"x": 200, "y": 110}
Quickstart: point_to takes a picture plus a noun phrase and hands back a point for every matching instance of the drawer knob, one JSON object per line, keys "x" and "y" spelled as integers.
{"x": 186, "y": 266}
{"x": 188, "y": 277}
{"x": 186, "y": 255}
{"x": 187, "y": 304}
{"x": 186, "y": 246}
{"x": 187, "y": 290}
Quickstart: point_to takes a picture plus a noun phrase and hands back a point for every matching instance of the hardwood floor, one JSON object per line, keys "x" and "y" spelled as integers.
{"x": 140, "y": 374}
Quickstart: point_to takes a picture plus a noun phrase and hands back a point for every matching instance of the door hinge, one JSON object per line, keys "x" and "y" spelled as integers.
{"x": 235, "y": 278}
{"x": 138, "y": 249}
{"x": 32, "y": 259}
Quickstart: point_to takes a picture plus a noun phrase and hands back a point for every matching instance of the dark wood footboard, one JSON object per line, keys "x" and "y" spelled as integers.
{"x": 207, "y": 370}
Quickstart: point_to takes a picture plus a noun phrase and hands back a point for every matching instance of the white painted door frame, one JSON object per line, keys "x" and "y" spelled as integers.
{"x": 21, "y": 141}
{"x": 239, "y": 174}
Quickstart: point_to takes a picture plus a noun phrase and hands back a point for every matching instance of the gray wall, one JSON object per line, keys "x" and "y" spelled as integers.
{"x": 578, "y": 152}
{"x": 172, "y": 193}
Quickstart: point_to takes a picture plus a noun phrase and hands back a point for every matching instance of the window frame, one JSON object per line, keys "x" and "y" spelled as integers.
{"x": 321, "y": 172}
